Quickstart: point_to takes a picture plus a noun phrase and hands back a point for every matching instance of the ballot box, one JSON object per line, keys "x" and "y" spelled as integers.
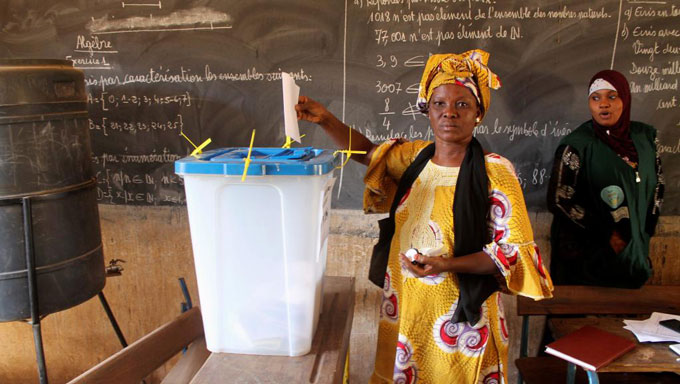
{"x": 259, "y": 244}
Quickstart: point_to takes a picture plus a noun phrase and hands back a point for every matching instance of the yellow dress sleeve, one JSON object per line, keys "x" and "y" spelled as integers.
{"x": 388, "y": 163}
{"x": 513, "y": 248}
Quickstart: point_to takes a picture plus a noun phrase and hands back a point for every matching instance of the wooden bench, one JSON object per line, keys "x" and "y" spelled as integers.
{"x": 139, "y": 359}
{"x": 325, "y": 363}
{"x": 589, "y": 300}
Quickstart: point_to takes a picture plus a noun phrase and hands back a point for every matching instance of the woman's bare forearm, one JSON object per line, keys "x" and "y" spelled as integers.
{"x": 478, "y": 263}
{"x": 340, "y": 134}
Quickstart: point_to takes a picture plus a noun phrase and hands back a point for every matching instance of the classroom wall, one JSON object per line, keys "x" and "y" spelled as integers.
{"x": 156, "y": 245}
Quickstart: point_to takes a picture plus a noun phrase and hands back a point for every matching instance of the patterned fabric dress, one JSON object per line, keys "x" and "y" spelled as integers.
{"x": 417, "y": 343}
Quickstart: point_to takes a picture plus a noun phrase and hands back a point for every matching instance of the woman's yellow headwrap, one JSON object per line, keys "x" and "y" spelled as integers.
{"x": 467, "y": 69}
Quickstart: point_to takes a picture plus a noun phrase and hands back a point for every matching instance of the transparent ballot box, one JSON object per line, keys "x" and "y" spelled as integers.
{"x": 259, "y": 245}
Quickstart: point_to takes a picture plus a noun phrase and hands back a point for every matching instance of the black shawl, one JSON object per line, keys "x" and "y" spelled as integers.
{"x": 470, "y": 215}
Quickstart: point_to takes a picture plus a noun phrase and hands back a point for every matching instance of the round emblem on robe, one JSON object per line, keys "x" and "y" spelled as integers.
{"x": 612, "y": 196}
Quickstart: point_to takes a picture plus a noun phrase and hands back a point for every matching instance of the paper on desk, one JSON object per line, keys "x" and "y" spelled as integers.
{"x": 675, "y": 348}
{"x": 291, "y": 91}
{"x": 650, "y": 331}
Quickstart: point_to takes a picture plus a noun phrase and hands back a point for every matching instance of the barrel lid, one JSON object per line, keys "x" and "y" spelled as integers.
{"x": 35, "y": 87}
{"x": 263, "y": 161}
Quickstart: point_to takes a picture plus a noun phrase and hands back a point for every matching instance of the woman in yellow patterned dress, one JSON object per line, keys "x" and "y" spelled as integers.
{"x": 442, "y": 319}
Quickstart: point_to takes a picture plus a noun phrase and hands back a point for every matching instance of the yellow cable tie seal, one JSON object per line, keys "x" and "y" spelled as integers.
{"x": 247, "y": 162}
{"x": 289, "y": 141}
{"x": 348, "y": 151}
{"x": 199, "y": 149}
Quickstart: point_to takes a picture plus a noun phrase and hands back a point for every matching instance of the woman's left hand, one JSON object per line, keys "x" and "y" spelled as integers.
{"x": 429, "y": 265}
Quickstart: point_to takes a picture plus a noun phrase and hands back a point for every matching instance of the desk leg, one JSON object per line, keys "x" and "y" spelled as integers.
{"x": 592, "y": 377}
{"x": 571, "y": 373}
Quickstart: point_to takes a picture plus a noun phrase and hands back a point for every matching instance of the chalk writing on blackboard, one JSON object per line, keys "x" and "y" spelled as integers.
{"x": 196, "y": 19}
{"x": 154, "y": 68}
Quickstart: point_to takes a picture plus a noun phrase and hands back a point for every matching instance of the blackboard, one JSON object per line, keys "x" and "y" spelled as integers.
{"x": 210, "y": 69}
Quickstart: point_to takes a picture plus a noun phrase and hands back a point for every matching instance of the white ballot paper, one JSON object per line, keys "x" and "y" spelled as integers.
{"x": 291, "y": 91}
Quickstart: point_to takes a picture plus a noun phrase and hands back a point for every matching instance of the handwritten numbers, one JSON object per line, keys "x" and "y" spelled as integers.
{"x": 522, "y": 181}
{"x": 538, "y": 176}
{"x": 386, "y": 123}
{"x": 394, "y": 88}
{"x": 381, "y": 36}
{"x": 398, "y": 36}
{"x": 381, "y": 62}
{"x": 385, "y": 62}
{"x": 383, "y": 17}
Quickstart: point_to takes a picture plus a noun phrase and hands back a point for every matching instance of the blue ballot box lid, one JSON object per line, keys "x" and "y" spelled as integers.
{"x": 263, "y": 161}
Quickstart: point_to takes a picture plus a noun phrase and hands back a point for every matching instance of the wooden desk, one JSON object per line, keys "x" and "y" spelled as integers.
{"x": 645, "y": 357}
{"x": 325, "y": 363}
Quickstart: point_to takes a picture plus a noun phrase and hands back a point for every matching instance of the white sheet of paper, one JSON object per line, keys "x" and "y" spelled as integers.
{"x": 291, "y": 91}
{"x": 649, "y": 330}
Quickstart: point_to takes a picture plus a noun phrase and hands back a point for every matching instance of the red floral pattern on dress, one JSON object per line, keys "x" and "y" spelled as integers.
{"x": 389, "y": 309}
{"x": 405, "y": 369}
{"x": 461, "y": 337}
{"x": 403, "y": 199}
{"x": 507, "y": 254}
{"x": 491, "y": 375}
{"x": 501, "y": 319}
{"x": 538, "y": 261}
{"x": 504, "y": 330}
{"x": 403, "y": 202}
{"x": 500, "y": 212}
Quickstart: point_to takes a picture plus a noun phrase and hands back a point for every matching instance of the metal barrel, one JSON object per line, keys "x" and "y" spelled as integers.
{"x": 45, "y": 156}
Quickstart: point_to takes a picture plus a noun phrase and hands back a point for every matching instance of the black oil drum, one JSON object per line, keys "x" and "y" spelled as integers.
{"x": 45, "y": 157}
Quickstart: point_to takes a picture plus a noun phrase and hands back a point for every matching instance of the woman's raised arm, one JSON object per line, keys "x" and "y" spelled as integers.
{"x": 310, "y": 110}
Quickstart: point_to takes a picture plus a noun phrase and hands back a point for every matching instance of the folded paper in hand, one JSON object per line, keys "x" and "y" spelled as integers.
{"x": 291, "y": 91}
{"x": 590, "y": 347}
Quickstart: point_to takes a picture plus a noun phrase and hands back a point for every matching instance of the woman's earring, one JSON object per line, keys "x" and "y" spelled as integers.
{"x": 478, "y": 120}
